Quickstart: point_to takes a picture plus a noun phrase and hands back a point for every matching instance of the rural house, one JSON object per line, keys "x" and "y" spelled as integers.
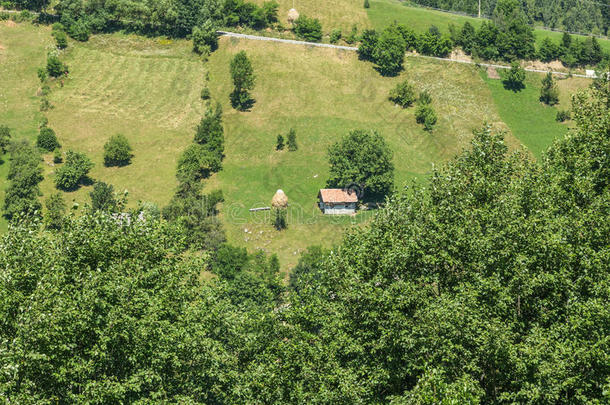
{"x": 337, "y": 201}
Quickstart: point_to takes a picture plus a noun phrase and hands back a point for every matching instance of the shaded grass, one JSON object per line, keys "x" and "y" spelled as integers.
{"x": 531, "y": 121}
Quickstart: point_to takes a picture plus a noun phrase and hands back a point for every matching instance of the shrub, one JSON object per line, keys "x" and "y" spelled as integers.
{"x": 102, "y": 197}
{"x": 42, "y": 74}
{"x": 425, "y": 115}
{"x": 353, "y": 35}
{"x": 563, "y": 115}
{"x": 197, "y": 162}
{"x": 54, "y": 66}
{"x": 5, "y": 138}
{"x": 279, "y": 219}
{"x": 514, "y": 77}
{"x": 279, "y": 142}
{"x": 45, "y": 90}
{"x": 57, "y": 157}
{"x": 47, "y": 140}
{"x": 368, "y": 42}
{"x": 335, "y": 36}
{"x": 210, "y": 132}
{"x": 292, "y": 140}
{"x": 73, "y": 172}
{"x": 117, "y": 151}
{"x": 549, "y": 94}
{"x": 79, "y": 30}
{"x": 56, "y": 211}
{"x": 307, "y": 28}
{"x": 58, "y": 27}
{"x": 205, "y": 93}
{"x": 205, "y": 38}
{"x": 366, "y": 4}
{"x": 424, "y": 97}
{"x": 403, "y": 94}
{"x": 45, "y": 105}
{"x": 61, "y": 39}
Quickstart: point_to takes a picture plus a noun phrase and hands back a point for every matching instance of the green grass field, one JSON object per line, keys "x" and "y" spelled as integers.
{"x": 148, "y": 89}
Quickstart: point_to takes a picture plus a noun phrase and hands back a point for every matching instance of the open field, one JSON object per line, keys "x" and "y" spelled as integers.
{"x": 148, "y": 89}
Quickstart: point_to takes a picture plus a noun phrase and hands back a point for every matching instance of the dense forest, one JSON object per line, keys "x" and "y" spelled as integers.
{"x": 585, "y": 16}
{"x": 489, "y": 284}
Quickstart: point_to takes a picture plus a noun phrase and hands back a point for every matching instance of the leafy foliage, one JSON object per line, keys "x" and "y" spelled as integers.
{"x": 205, "y": 39}
{"x": 279, "y": 219}
{"x": 389, "y": 51}
{"x": 56, "y": 211}
{"x": 24, "y": 175}
{"x": 308, "y": 29}
{"x": 73, "y": 172}
{"x": 243, "y": 81}
{"x": 403, "y": 94}
{"x": 47, "y": 139}
{"x": 210, "y": 132}
{"x": 362, "y": 158}
{"x": 279, "y": 142}
{"x": 103, "y": 197}
{"x": 292, "y": 140}
{"x": 514, "y": 78}
{"x": 54, "y": 66}
{"x": 5, "y": 138}
{"x": 424, "y": 114}
{"x": 549, "y": 94}
{"x": 117, "y": 151}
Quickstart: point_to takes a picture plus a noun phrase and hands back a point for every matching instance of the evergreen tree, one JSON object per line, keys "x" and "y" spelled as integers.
{"x": 549, "y": 94}
{"x": 292, "y": 140}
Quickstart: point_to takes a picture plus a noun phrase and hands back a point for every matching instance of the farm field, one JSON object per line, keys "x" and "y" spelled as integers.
{"x": 148, "y": 90}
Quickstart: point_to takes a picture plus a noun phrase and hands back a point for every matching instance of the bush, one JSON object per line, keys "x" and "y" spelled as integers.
{"x": 42, "y": 74}
{"x": 197, "y": 162}
{"x": 61, "y": 39}
{"x": 425, "y": 115}
{"x": 54, "y": 66}
{"x": 5, "y": 138}
{"x": 368, "y": 42}
{"x": 205, "y": 38}
{"x": 205, "y": 93}
{"x": 279, "y": 142}
{"x": 210, "y": 132}
{"x": 424, "y": 97}
{"x": 366, "y": 4}
{"x": 57, "y": 157}
{"x": 403, "y": 94}
{"x": 56, "y": 211}
{"x": 353, "y": 35}
{"x": 45, "y": 105}
{"x": 563, "y": 115}
{"x": 79, "y": 30}
{"x": 73, "y": 172}
{"x": 102, "y": 197}
{"x": 45, "y": 90}
{"x": 279, "y": 219}
{"x": 308, "y": 29}
{"x": 117, "y": 151}
{"x": 549, "y": 94}
{"x": 47, "y": 140}
{"x": 292, "y": 140}
{"x": 514, "y": 77}
{"x": 335, "y": 36}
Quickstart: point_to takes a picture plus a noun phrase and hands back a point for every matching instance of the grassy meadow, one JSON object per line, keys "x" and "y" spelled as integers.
{"x": 148, "y": 90}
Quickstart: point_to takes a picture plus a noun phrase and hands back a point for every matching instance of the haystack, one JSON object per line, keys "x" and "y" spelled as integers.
{"x": 293, "y": 15}
{"x": 279, "y": 200}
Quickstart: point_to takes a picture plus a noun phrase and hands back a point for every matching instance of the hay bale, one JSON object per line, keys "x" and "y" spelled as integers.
{"x": 279, "y": 200}
{"x": 293, "y": 15}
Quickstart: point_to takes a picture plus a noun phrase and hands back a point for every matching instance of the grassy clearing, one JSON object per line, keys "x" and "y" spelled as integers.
{"x": 147, "y": 90}
{"x": 531, "y": 121}
{"x": 324, "y": 93}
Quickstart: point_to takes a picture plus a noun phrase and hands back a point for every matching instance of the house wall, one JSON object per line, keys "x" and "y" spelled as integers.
{"x": 339, "y": 209}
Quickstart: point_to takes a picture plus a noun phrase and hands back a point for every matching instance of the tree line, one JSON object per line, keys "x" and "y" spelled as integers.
{"x": 589, "y": 16}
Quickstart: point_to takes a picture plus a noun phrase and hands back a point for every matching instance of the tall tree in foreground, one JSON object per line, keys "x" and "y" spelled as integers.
{"x": 243, "y": 81}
